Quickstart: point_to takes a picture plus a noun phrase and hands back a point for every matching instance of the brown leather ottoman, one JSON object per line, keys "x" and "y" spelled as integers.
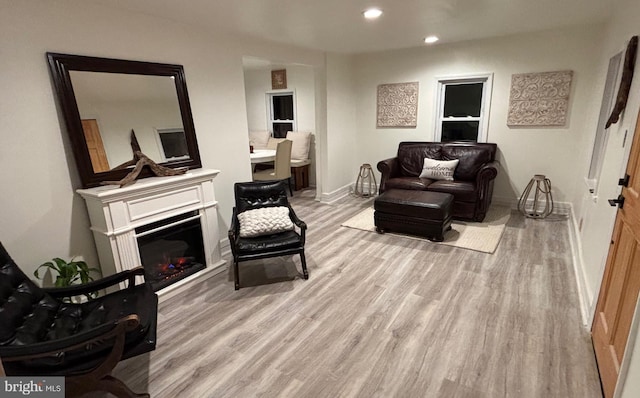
{"x": 420, "y": 213}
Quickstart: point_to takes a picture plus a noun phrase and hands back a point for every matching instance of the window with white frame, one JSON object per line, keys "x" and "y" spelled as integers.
{"x": 172, "y": 144}
{"x": 282, "y": 113}
{"x": 462, "y": 112}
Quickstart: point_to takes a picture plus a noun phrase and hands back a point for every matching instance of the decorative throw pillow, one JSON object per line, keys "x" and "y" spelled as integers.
{"x": 439, "y": 169}
{"x": 300, "y": 143}
{"x": 264, "y": 221}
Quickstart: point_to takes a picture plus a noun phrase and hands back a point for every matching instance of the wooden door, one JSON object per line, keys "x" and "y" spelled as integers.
{"x": 621, "y": 281}
{"x": 95, "y": 146}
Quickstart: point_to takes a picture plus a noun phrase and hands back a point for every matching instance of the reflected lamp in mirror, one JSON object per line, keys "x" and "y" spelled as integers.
{"x": 103, "y": 99}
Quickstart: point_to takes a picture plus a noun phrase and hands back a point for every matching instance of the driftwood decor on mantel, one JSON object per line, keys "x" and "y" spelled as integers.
{"x": 140, "y": 160}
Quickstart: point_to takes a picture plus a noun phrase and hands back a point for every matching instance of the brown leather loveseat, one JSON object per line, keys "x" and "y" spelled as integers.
{"x": 472, "y": 185}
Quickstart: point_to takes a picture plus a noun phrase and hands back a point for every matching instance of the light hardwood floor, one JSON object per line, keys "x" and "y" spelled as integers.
{"x": 380, "y": 316}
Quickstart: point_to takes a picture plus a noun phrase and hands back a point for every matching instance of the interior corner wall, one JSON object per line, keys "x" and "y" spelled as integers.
{"x": 42, "y": 217}
{"x": 342, "y": 146}
{"x": 320, "y": 75}
{"x": 256, "y": 84}
{"x": 523, "y": 152}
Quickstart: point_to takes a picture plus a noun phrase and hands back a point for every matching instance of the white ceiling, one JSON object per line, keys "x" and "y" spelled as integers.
{"x": 338, "y": 25}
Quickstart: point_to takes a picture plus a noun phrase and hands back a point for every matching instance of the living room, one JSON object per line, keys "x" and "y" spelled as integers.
{"x": 44, "y": 217}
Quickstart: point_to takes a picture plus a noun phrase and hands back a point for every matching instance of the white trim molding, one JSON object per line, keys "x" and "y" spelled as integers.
{"x": 334, "y": 196}
{"x": 585, "y": 294}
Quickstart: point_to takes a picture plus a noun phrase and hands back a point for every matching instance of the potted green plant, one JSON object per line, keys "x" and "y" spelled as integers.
{"x": 69, "y": 273}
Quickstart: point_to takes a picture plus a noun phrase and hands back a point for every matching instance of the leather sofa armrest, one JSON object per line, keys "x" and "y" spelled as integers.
{"x": 487, "y": 172}
{"x": 484, "y": 188}
{"x": 388, "y": 168}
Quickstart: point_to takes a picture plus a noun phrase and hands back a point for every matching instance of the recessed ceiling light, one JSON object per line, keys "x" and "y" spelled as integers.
{"x": 372, "y": 13}
{"x": 431, "y": 39}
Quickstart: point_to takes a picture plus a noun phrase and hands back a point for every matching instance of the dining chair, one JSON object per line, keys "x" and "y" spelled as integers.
{"x": 300, "y": 161}
{"x": 282, "y": 166}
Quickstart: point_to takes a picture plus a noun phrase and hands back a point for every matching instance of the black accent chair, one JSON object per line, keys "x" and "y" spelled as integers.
{"x": 254, "y": 195}
{"x": 42, "y": 334}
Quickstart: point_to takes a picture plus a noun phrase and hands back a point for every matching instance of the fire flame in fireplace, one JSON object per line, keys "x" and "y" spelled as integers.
{"x": 174, "y": 265}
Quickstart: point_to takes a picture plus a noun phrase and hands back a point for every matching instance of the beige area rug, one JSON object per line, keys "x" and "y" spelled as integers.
{"x": 482, "y": 237}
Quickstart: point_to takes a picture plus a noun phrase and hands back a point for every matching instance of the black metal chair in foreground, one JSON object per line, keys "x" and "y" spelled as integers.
{"x": 262, "y": 225}
{"x": 42, "y": 334}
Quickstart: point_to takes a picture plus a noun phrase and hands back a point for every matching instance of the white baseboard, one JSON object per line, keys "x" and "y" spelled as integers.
{"x": 585, "y": 295}
{"x": 563, "y": 208}
{"x": 334, "y": 196}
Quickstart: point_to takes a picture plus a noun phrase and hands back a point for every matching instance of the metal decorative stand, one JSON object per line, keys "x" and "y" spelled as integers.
{"x": 541, "y": 205}
{"x": 366, "y": 181}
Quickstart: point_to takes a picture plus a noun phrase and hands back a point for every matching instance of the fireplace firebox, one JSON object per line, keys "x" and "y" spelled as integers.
{"x": 171, "y": 249}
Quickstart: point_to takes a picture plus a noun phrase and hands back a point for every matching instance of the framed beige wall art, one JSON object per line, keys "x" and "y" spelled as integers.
{"x": 539, "y": 99}
{"x": 397, "y": 105}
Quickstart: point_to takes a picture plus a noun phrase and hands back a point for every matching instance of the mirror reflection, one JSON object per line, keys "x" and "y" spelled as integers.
{"x": 111, "y": 105}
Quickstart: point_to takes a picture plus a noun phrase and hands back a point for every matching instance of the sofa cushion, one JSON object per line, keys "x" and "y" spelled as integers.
{"x": 411, "y": 156}
{"x": 439, "y": 169}
{"x": 471, "y": 159}
{"x": 413, "y": 183}
{"x": 462, "y": 191}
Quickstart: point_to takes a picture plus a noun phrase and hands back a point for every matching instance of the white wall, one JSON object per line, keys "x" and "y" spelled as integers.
{"x": 300, "y": 79}
{"x": 256, "y": 84}
{"x": 342, "y": 147}
{"x": 42, "y": 217}
{"x": 522, "y": 151}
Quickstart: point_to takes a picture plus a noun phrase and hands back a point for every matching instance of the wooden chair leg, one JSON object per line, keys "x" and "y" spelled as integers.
{"x": 237, "y": 275}
{"x": 303, "y": 260}
{"x": 100, "y": 379}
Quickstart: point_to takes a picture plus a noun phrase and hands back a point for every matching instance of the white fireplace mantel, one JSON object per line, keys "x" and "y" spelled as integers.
{"x": 116, "y": 212}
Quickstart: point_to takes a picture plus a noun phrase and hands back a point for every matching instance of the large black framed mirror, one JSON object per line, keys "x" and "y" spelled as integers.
{"x": 103, "y": 100}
